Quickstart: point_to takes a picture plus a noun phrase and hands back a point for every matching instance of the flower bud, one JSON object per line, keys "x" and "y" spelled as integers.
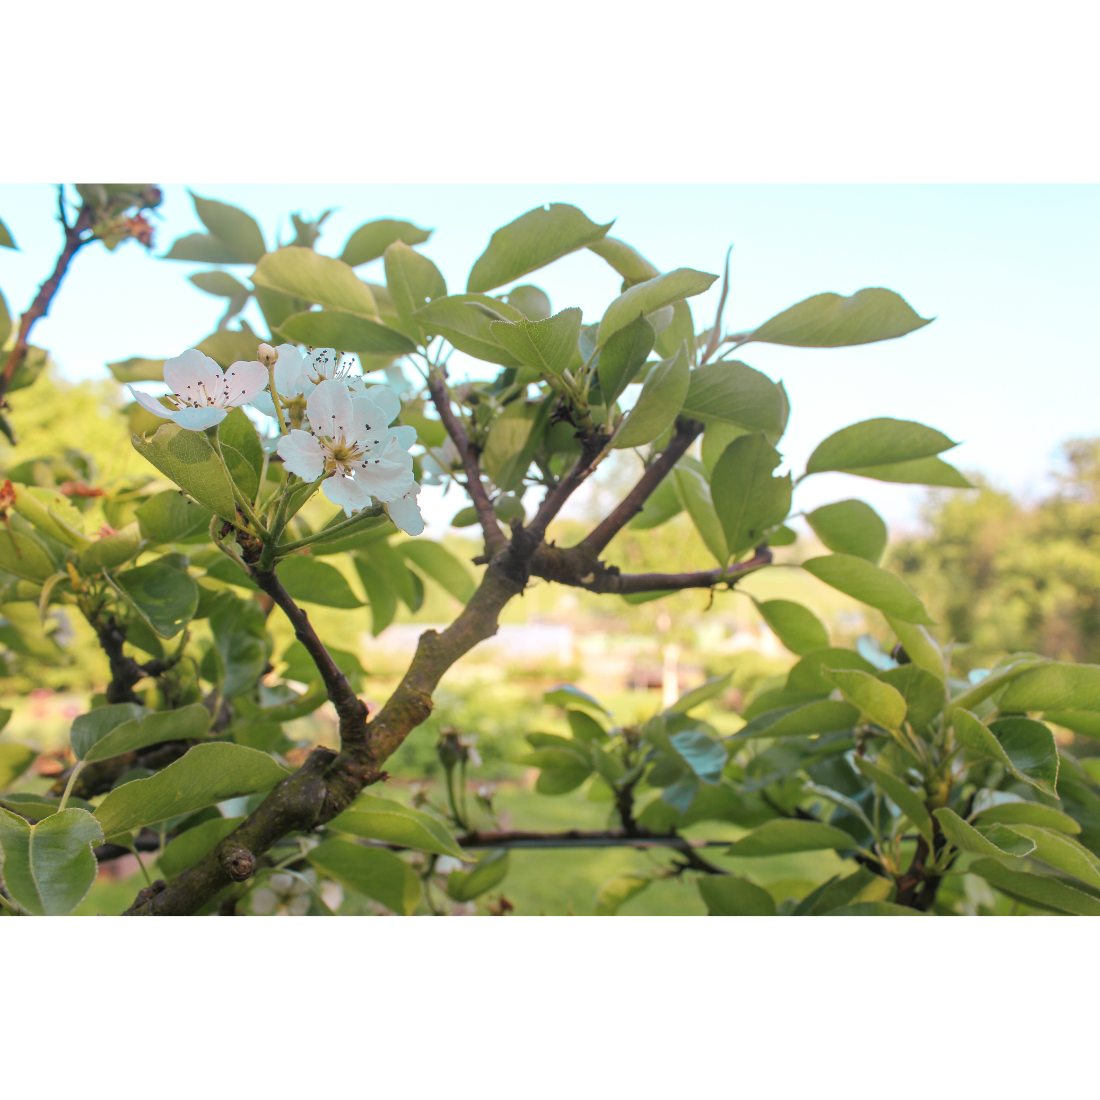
{"x": 267, "y": 355}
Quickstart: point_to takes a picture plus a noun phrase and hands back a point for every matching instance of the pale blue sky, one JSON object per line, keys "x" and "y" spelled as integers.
{"x": 1009, "y": 271}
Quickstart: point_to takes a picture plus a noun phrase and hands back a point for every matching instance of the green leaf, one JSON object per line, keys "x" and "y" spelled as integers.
{"x": 219, "y": 283}
{"x": 371, "y": 240}
{"x": 833, "y": 321}
{"x": 187, "y": 849}
{"x": 1031, "y": 748}
{"x": 514, "y": 436}
{"x": 349, "y": 332}
{"x": 39, "y": 806}
{"x": 920, "y": 471}
{"x": 24, "y": 556}
{"x": 663, "y": 504}
{"x": 923, "y": 694}
{"x": 1054, "y": 686}
{"x": 903, "y": 796}
{"x": 229, "y": 346}
{"x": 187, "y": 723}
{"x": 382, "y": 819}
{"x": 6, "y": 239}
{"x": 488, "y": 872}
{"x": 616, "y": 892}
{"x": 990, "y": 840}
{"x": 52, "y": 514}
{"x": 1086, "y": 723}
{"x": 238, "y": 432}
{"x": 108, "y": 553}
{"x": 89, "y": 728}
{"x": 877, "y": 701}
{"x": 565, "y": 695}
{"x": 311, "y": 580}
{"x": 561, "y": 780}
{"x": 380, "y": 595}
{"x": 413, "y": 280}
{"x": 697, "y": 696}
{"x": 694, "y": 493}
{"x": 878, "y": 442}
{"x": 734, "y": 896}
{"x": 623, "y": 356}
{"x": 49, "y": 867}
{"x": 702, "y": 753}
{"x": 15, "y": 759}
{"x": 797, "y": 627}
{"x": 165, "y": 597}
{"x": 1029, "y": 813}
{"x": 303, "y": 273}
{"x": 187, "y": 458}
{"x": 235, "y": 228}
{"x": 861, "y": 886}
{"x": 869, "y": 584}
{"x": 1039, "y": 890}
{"x": 441, "y": 565}
{"x": 171, "y": 517}
{"x": 203, "y": 776}
{"x": 548, "y": 346}
{"x": 820, "y": 716}
{"x": 585, "y": 728}
{"x": 747, "y": 498}
{"x": 465, "y": 319}
{"x": 810, "y": 674}
{"x": 532, "y": 302}
{"x": 850, "y": 527}
{"x": 991, "y": 684}
{"x": 680, "y": 330}
{"x": 920, "y": 646}
{"x": 628, "y": 262}
{"x": 203, "y": 248}
{"x": 391, "y": 565}
{"x": 788, "y": 835}
{"x": 650, "y": 296}
{"x": 137, "y": 369}
{"x": 658, "y": 404}
{"x": 372, "y": 871}
{"x": 1061, "y": 852}
{"x": 1023, "y": 746}
{"x": 533, "y": 240}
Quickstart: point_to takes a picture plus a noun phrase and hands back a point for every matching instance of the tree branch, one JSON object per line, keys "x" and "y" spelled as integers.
{"x": 494, "y": 537}
{"x": 350, "y": 709}
{"x": 686, "y": 433}
{"x": 567, "y": 566}
{"x": 592, "y": 448}
{"x": 41, "y": 304}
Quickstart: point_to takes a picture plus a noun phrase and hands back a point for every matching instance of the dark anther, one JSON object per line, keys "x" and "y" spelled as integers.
{"x": 239, "y": 864}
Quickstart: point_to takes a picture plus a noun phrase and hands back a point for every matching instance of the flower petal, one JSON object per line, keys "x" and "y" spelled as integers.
{"x": 405, "y": 436}
{"x": 198, "y": 420}
{"x": 396, "y": 454}
{"x": 406, "y": 512}
{"x": 346, "y": 493}
{"x": 330, "y": 410}
{"x": 302, "y": 455}
{"x": 370, "y": 423}
{"x": 194, "y": 376}
{"x": 243, "y": 381}
{"x": 288, "y": 370}
{"x": 262, "y": 403}
{"x": 150, "y": 404}
{"x": 385, "y": 479}
{"x": 386, "y": 400}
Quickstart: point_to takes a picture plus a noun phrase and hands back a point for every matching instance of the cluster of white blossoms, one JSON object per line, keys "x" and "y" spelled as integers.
{"x": 345, "y": 435}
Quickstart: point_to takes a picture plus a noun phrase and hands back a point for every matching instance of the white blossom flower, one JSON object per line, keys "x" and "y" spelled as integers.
{"x": 406, "y": 512}
{"x": 350, "y": 443}
{"x": 202, "y": 393}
